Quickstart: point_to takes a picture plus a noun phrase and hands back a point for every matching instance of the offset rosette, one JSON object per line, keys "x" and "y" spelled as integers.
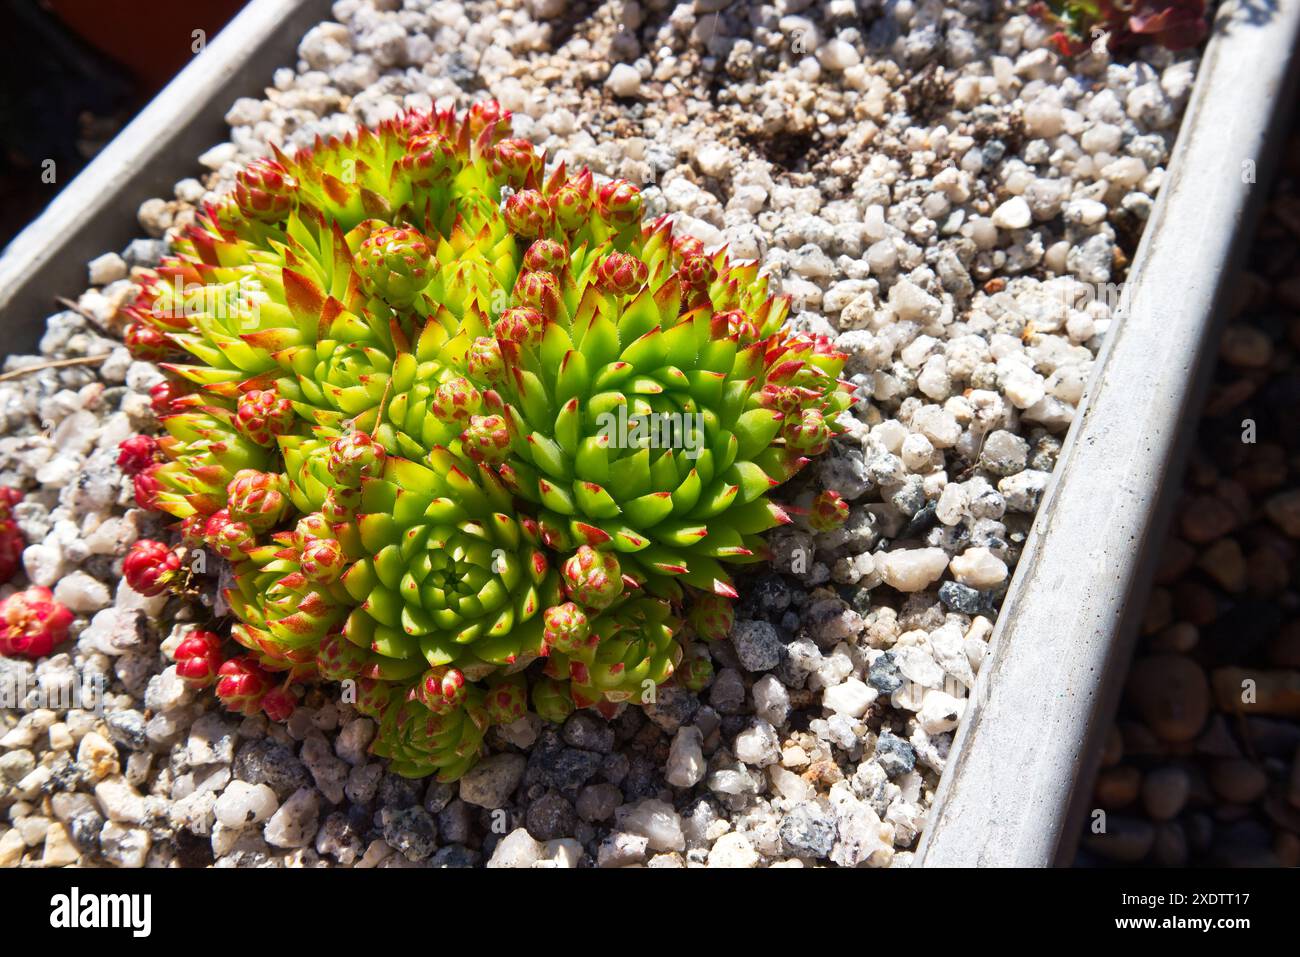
{"x": 395, "y": 263}
{"x": 420, "y": 742}
{"x": 261, "y": 415}
{"x": 264, "y": 191}
{"x": 206, "y": 452}
{"x": 286, "y": 613}
{"x": 695, "y": 672}
{"x": 640, "y": 426}
{"x": 711, "y": 616}
{"x": 828, "y": 512}
{"x": 630, "y": 650}
{"x": 338, "y": 659}
{"x": 551, "y": 699}
{"x": 258, "y": 499}
{"x": 447, "y": 575}
{"x": 506, "y": 698}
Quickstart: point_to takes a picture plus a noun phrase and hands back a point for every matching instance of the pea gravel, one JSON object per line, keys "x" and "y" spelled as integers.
{"x": 935, "y": 189}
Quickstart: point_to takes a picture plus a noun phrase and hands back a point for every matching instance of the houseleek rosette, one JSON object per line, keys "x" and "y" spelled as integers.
{"x": 447, "y": 575}
{"x": 622, "y": 655}
{"x": 445, "y": 415}
{"x": 655, "y": 405}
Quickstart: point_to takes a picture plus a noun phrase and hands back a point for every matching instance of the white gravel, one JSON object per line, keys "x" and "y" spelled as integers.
{"x": 941, "y": 195}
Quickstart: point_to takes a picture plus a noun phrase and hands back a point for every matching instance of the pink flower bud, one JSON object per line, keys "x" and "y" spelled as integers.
{"x": 279, "y": 704}
{"x": 566, "y": 629}
{"x": 486, "y": 439}
{"x": 147, "y": 343}
{"x": 485, "y": 362}
{"x": 137, "y": 453}
{"x": 198, "y": 658}
{"x": 259, "y": 499}
{"x": 147, "y": 486}
{"x": 242, "y": 684}
{"x": 807, "y": 433}
{"x": 546, "y": 255}
{"x": 711, "y": 616}
{"x": 354, "y": 455}
{"x": 593, "y": 578}
{"x": 515, "y": 160}
{"x": 619, "y": 202}
{"x": 523, "y": 325}
{"x": 529, "y": 214}
{"x": 262, "y": 415}
{"x": 264, "y": 191}
{"x": 540, "y": 291}
{"x": 455, "y": 401}
{"x": 829, "y": 511}
{"x": 322, "y": 561}
{"x": 163, "y": 395}
{"x": 441, "y": 690}
{"x": 150, "y": 567}
{"x": 621, "y": 274}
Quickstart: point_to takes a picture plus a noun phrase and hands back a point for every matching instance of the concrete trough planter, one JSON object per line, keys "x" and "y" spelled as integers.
{"x": 97, "y": 210}
{"x": 1060, "y": 646}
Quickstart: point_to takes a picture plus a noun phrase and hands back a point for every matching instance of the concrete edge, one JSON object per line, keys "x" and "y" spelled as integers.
{"x": 1011, "y": 794}
{"x": 96, "y": 212}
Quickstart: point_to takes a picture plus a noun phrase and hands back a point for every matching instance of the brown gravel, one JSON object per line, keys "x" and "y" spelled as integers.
{"x": 1203, "y": 763}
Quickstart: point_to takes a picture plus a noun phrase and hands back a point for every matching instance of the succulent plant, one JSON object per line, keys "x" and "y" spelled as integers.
{"x": 829, "y": 511}
{"x": 1121, "y": 24}
{"x": 32, "y": 623}
{"x": 150, "y": 567}
{"x": 439, "y": 436}
{"x": 654, "y": 411}
{"x": 137, "y": 453}
{"x": 242, "y": 684}
{"x": 696, "y": 672}
{"x": 198, "y": 658}
{"x": 12, "y": 542}
{"x": 711, "y": 617}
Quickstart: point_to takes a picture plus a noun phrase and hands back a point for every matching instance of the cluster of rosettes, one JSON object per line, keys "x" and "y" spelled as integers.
{"x": 1123, "y": 24}
{"x": 464, "y": 454}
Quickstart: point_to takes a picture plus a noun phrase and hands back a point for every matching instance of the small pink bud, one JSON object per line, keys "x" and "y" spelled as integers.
{"x": 262, "y": 415}
{"x": 455, "y": 401}
{"x": 546, "y": 255}
{"x": 622, "y": 274}
{"x": 198, "y": 658}
{"x": 279, "y": 704}
{"x": 529, "y": 214}
{"x": 137, "y": 453}
{"x": 829, "y": 511}
{"x": 593, "y": 578}
{"x": 242, "y": 684}
{"x": 485, "y": 361}
{"x": 150, "y": 567}
{"x": 147, "y": 486}
{"x": 540, "y": 291}
{"x": 619, "y": 202}
{"x": 522, "y": 325}
{"x": 147, "y": 343}
{"x": 486, "y": 439}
